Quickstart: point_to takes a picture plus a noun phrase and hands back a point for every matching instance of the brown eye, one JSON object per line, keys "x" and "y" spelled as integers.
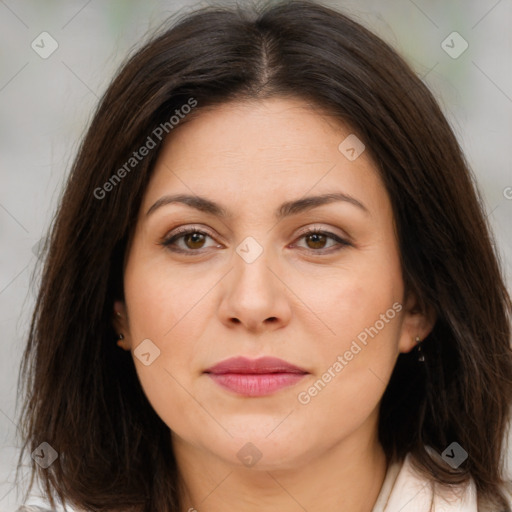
{"x": 316, "y": 240}
{"x": 192, "y": 240}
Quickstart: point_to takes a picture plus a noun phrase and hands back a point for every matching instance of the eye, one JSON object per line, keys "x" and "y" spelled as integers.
{"x": 193, "y": 238}
{"x": 317, "y": 239}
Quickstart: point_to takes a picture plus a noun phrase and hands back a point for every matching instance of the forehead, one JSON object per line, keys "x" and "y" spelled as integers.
{"x": 261, "y": 150}
{"x": 282, "y": 127}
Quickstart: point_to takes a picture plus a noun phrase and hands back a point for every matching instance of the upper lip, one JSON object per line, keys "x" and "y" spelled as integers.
{"x": 260, "y": 365}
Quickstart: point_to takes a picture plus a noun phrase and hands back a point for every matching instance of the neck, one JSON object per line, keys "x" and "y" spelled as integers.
{"x": 345, "y": 477}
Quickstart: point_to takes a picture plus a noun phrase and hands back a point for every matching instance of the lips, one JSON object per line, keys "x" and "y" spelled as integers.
{"x": 255, "y": 377}
{"x": 243, "y": 365}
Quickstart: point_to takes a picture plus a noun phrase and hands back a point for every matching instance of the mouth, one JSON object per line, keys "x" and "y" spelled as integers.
{"x": 256, "y": 377}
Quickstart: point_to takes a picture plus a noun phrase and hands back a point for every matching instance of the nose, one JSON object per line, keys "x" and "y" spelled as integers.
{"x": 255, "y": 295}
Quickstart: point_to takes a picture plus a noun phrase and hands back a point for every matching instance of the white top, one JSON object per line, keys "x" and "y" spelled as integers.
{"x": 405, "y": 490}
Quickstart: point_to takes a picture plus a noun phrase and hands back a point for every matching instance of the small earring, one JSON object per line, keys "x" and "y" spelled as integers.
{"x": 118, "y": 314}
{"x": 121, "y": 336}
{"x": 421, "y": 356}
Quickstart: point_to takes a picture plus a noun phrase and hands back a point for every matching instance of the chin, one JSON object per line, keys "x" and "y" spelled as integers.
{"x": 259, "y": 447}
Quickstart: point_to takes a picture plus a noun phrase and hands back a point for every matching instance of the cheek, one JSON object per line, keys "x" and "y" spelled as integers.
{"x": 355, "y": 372}
{"x": 168, "y": 381}
{"x": 167, "y": 309}
{"x": 366, "y": 302}
{"x": 169, "y": 314}
{"x": 365, "y": 314}
{"x": 163, "y": 298}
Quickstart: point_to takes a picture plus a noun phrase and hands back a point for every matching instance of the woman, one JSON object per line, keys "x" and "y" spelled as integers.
{"x": 270, "y": 285}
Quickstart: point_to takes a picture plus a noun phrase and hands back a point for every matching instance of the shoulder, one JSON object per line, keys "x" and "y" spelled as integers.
{"x": 407, "y": 490}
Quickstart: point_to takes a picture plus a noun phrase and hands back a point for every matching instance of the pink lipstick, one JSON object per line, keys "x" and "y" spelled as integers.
{"x": 255, "y": 377}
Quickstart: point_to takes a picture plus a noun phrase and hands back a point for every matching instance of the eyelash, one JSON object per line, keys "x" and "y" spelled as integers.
{"x": 167, "y": 242}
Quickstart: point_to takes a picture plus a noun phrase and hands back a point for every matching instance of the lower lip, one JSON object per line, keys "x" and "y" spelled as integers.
{"x": 253, "y": 384}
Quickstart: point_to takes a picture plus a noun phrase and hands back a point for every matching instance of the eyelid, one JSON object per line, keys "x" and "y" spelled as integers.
{"x": 184, "y": 230}
{"x": 187, "y": 228}
{"x": 324, "y": 229}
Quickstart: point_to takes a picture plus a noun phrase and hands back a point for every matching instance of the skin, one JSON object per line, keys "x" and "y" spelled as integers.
{"x": 302, "y": 306}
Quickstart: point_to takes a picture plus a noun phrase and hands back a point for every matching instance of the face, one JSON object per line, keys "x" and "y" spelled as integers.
{"x": 257, "y": 282}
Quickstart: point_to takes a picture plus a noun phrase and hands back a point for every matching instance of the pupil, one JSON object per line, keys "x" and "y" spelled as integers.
{"x": 195, "y": 238}
{"x": 317, "y": 238}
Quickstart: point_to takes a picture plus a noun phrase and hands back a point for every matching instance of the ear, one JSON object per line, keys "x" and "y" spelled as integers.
{"x": 121, "y": 324}
{"x": 417, "y": 322}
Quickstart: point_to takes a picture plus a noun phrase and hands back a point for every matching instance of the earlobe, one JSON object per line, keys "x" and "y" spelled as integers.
{"x": 121, "y": 342}
{"x": 417, "y": 324}
{"x": 120, "y": 325}
{"x": 407, "y": 343}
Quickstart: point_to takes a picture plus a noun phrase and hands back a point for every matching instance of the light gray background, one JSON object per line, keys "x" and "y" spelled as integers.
{"x": 46, "y": 104}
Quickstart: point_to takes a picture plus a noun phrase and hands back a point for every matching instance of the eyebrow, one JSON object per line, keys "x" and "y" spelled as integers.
{"x": 285, "y": 210}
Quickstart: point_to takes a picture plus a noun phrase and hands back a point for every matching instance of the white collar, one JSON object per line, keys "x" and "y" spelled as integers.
{"x": 405, "y": 490}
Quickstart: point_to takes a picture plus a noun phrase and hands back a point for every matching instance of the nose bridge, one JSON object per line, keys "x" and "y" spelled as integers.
{"x": 255, "y": 296}
{"x": 252, "y": 263}
{"x": 254, "y": 293}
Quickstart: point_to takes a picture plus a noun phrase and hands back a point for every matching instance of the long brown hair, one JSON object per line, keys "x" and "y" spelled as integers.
{"x": 81, "y": 393}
